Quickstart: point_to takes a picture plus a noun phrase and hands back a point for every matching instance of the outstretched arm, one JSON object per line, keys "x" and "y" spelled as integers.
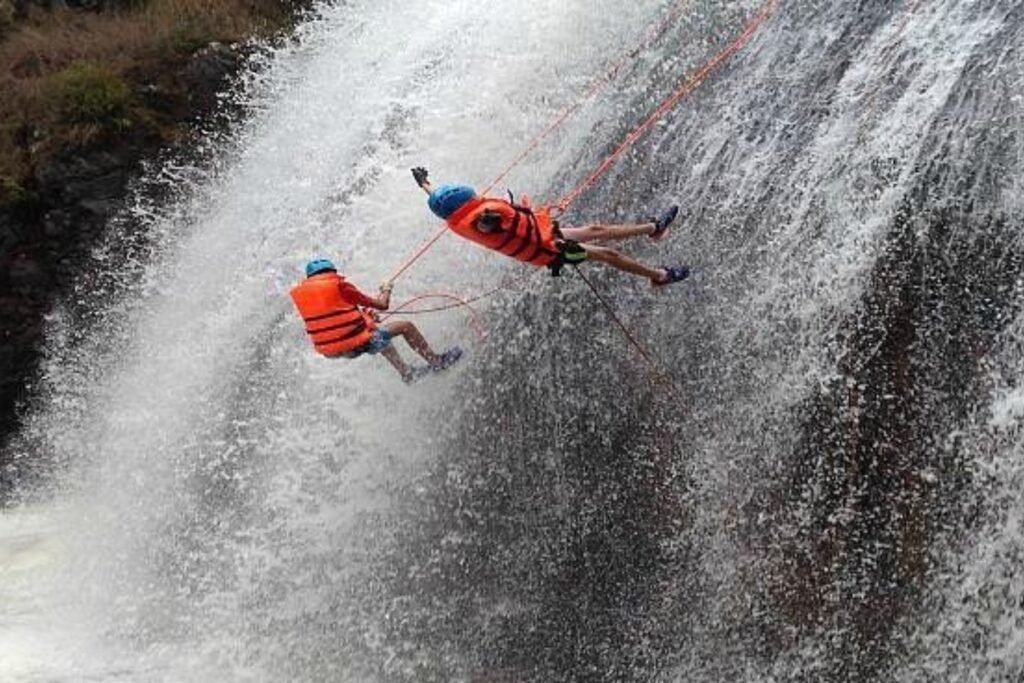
{"x": 419, "y": 174}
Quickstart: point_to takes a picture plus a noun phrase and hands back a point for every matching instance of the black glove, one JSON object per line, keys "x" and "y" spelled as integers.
{"x": 419, "y": 174}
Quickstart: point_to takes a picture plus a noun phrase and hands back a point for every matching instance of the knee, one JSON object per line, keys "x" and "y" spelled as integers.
{"x": 602, "y": 253}
{"x": 398, "y": 328}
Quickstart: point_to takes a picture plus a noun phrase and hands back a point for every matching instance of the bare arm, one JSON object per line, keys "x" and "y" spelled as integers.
{"x": 381, "y": 302}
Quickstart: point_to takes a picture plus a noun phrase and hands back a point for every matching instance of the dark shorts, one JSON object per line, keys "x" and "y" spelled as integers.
{"x": 381, "y": 340}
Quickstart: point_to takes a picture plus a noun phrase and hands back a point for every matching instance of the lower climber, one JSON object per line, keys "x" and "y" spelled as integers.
{"x": 531, "y": 235}
{"x": 339, "y": 325}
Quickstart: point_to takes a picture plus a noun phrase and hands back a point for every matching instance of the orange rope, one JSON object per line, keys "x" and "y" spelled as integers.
{"x": 685, "y": 89}
{"x": 407, "y": 264}
{"x": 464, "y": 301}
{"x": 459, "y": 302}
{"x": 596, "y": 86}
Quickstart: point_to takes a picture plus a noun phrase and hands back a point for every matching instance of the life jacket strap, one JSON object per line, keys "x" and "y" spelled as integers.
{"x": 329, "y": 314}
{"x": 357, "y": 330}
{"x": 341, "y": 326}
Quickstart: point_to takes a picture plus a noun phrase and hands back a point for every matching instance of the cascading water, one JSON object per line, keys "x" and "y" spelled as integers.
{"x": 834, "y": 497}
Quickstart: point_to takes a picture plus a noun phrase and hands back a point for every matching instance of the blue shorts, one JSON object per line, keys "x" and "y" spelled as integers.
{"x": 380, "y": 340}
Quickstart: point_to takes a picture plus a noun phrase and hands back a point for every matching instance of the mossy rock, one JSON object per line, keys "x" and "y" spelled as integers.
{"x": 188, "y": 35}
{"x": 12, "y": 194}
{"x": 89, "y": 95}
{"x": 7, "y": 14}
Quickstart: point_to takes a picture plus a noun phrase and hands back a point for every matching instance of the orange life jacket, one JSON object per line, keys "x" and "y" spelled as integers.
{"x": 334, "y": 325}
{"x": 525, "y": 234}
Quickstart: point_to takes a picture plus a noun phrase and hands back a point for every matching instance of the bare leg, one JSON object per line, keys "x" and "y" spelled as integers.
{"x": 404, "y": 328}
{"x": 624, "y": 263}
{"x": 592, "y": 233}
{"x": 391, "y": 355}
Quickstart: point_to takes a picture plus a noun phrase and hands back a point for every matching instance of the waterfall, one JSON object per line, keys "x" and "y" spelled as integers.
{"x": 832, "y": 494}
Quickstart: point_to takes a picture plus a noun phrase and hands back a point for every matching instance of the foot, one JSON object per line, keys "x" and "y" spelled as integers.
{"x": 415, "y": 373}
{"x": 443, "y": 362}
{"x": 447, "y": 359}
{"x": 661, "y": 223}
{"x": 672, "y": 274}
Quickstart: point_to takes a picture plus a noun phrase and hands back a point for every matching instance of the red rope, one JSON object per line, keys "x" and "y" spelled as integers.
{"x": 407, "y": 264}
{"x": 464, "y": 301}
{"x": 685, "y": 89}
{"x": 459, "y": 302}
{"x": 596, "y": 86}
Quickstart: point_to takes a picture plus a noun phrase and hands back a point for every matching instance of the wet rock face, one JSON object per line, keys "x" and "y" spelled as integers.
{"x": 209, "y": 71}
{"x": 75, "y": 193}
{"x": 76, "y": 178}
{"x": 71, "y": 197}
{"x": 93, "y": 5}
{"x": 22, "y": 277}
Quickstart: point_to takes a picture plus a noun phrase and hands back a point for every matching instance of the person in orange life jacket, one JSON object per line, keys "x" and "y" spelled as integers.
{"x": 339, "y": 325}
{"x": 531, "y": 235}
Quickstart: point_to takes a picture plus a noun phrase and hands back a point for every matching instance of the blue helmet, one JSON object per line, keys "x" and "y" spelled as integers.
{"x": 319, "y": 265}
{"x": 447, "y": 199}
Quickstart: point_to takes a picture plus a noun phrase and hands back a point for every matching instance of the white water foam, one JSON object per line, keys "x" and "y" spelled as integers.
{"x": 213, "y": 459}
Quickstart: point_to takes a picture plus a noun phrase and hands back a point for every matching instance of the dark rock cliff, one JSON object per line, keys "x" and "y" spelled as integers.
{"x": 51, "y": 220}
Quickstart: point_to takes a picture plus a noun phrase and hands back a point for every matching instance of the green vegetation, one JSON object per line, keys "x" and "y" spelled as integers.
{"x": 12, "y": 194}
{"x": 70, "y": 77}
{"x": 188, "y": 35}
{"x": 89, "y": 99}
{"x": 6, "y": 16}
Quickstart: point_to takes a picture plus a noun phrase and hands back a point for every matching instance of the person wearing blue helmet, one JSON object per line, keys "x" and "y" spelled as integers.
{"x": 531, "y": 234}
{"x": 340, "y": 322}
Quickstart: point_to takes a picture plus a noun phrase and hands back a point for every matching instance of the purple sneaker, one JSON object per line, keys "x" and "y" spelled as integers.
{"x": 673, "y": 274}
{"x": 447, "y": 359}
{"x": 661, "y": 223}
